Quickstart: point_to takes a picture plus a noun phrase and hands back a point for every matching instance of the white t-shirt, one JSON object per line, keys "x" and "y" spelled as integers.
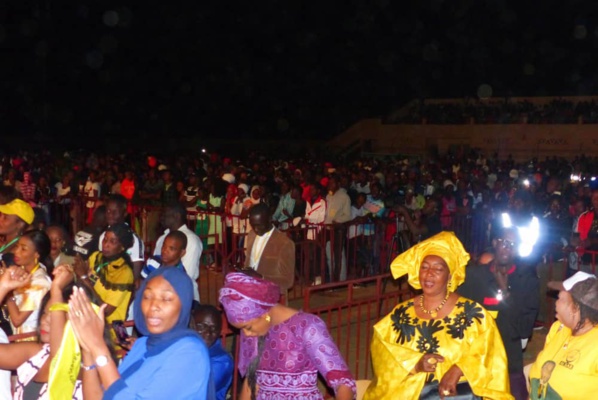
{"x": 356, "y": 230}
{"x": 62, "y": 191}
{"x": 89, "y": 188}
{"x": 5, "y": 388}
{"x": 192, "y": 255}
{"x": 259, "y": 244}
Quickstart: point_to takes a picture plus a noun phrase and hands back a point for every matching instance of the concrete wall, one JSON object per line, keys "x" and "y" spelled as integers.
{"x": 523, "y": 141}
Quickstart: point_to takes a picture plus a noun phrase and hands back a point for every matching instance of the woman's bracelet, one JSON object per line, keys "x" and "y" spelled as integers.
{"x": 88, "y": 367}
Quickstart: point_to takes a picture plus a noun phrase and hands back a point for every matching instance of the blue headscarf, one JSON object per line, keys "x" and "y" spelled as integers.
{"x": 155, "y": 344}
{"x": 183, "y": 287}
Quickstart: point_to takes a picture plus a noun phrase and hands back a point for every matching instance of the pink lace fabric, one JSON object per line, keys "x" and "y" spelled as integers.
{"x": 27, "y": 371}
{"x": 295, "y": 352}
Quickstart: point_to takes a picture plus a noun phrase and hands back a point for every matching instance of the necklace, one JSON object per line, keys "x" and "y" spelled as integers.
{"x": 34, "y": 268}
{"x": 7, "y": 245}
{"x": 99, "y": 267}
{"x": 432, "y": 313}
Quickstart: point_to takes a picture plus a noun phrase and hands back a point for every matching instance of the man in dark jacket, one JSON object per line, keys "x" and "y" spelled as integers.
{"x": 511, "y": 289}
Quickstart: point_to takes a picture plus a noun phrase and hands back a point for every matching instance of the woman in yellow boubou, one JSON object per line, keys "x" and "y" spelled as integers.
{"x": 438, "y": 342}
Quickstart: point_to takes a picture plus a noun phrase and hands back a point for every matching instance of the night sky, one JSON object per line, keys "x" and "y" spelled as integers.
{"x": 271, "y": 69}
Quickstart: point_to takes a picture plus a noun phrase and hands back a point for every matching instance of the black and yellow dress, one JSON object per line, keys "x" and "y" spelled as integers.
{"x": 113, "y": 282}
{"x": 467, "y": 337}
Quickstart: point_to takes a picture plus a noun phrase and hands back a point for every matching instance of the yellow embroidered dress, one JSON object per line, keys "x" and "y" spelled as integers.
{"x": 467, "y": 337}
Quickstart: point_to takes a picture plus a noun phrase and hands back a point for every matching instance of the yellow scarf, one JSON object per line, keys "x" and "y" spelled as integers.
{"x": 64, "y": 368}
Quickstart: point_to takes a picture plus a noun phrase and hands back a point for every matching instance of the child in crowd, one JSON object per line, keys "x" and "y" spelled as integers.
{"x": 173, "y": 250}
{"x": 208, "y": 322}
{"x": 202, "y": 225}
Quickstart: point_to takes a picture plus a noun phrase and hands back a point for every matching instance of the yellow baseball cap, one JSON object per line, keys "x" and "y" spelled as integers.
{"x": 19, "y": 208}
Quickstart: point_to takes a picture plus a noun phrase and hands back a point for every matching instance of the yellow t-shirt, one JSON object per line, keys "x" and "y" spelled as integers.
{"x": 567, "y": 367}
{"x": 467, "y": 338}
{"x": 114, "y": 284}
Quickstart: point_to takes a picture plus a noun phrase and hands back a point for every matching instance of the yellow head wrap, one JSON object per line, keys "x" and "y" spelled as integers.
{"x": 444, "y": 245}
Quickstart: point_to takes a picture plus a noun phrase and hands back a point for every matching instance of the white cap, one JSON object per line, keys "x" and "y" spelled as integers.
{"x": 568, "y": 284}
{"x": 578, "y": 277}
{"x": 244, "y": 187}
{"x": 230, "y": 178}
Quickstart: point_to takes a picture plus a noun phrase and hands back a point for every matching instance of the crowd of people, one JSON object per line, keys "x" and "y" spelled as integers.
{"x": 557, "y": 111}
{"x": 69, "y": 236}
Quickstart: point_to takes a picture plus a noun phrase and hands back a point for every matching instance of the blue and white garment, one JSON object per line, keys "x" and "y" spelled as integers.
{"x": 153, "y": 263}
{"x": 376, "y": 208}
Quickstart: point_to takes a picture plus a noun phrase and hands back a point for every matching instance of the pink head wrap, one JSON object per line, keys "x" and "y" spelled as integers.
{"x": 245, "y": 298}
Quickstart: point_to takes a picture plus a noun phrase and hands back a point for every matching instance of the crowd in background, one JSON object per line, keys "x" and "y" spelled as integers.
{"x": 93, "y": 202}
{"x": 456, "y": 187}
{"x": 557, "y": 111}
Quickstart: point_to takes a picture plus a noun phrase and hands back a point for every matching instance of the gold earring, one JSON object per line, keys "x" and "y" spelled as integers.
{"x": 36, "y": 261}
{"x": 267, "y": 318}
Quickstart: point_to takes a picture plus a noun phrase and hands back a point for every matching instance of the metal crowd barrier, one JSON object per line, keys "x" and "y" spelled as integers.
{"x": 324, "y": 253}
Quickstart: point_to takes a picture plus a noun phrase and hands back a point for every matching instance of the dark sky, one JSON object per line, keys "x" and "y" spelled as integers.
{"x": 275, "y": 67}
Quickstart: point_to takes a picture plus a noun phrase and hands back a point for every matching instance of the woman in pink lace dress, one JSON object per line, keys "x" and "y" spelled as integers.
{"x": 32, "y": 359}
{"x": 282, "y": 349}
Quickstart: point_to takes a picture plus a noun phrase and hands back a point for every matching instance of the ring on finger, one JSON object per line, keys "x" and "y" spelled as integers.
{"x": 431, "y": 361}
{"x": 77, "y": 313}
{"x": 446, "y": 392}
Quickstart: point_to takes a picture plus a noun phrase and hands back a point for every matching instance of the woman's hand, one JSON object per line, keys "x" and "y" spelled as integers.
{"x": 80, "y": 266}
{"x": 344, "y": 392}
{"x": 448, "y": 383}
{"x": 13, "y": 278}
{"x": 87, "y": 325}
{"x": 428, "y": 363}
{"x": 63, "y": 275}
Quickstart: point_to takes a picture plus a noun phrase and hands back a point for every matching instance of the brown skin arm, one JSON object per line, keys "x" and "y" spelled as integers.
{"x": 426, "y": 364}
{"x": 81, "y": 268}
{"x": 17, "y": 317}
{"x": 109, "y": 308}
{"x": 137, "y": 267}
{"x": 344, "y": 393}
{"x": 415, "y": 229}
{"x": 63, "y": 275}
{"x": 449, "y": 381}
{"x": 89, "y": 330}
{"x": 245, "y": 393}
{"x": 13, "y": 278}
{"x": 92, "y": 387}
{"x": 12, "y": 355}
